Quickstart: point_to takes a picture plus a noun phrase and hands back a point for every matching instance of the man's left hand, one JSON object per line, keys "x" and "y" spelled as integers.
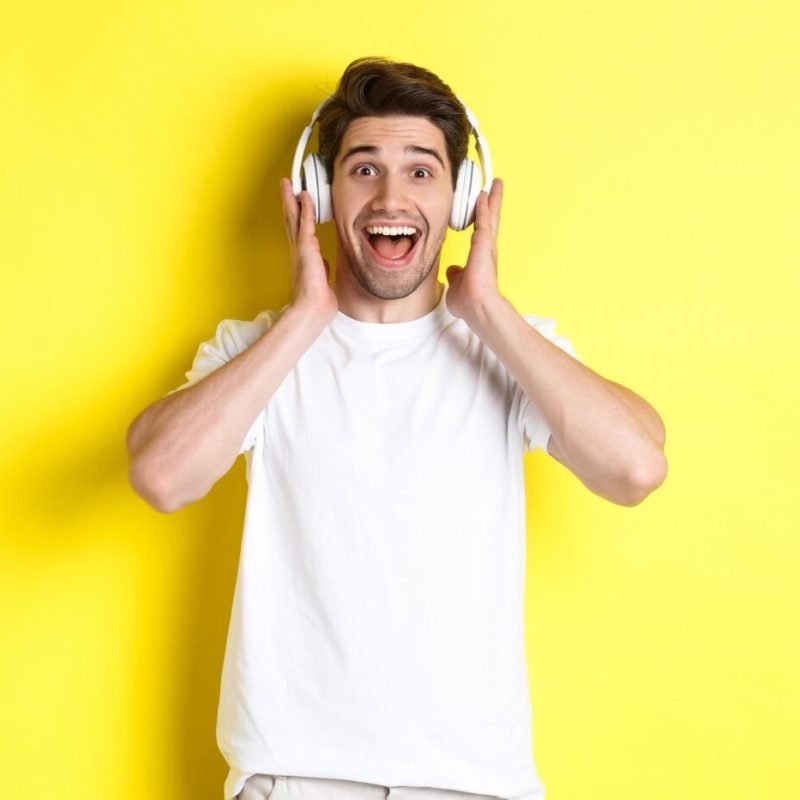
{"x": 475, "y": 284}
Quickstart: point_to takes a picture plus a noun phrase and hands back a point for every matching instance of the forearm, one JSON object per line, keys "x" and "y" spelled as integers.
{"x": 183, "y": 443}
{"x": 609, "y": 435}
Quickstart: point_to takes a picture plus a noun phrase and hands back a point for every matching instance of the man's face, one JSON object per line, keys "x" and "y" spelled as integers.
{"x": 391, "y": 172}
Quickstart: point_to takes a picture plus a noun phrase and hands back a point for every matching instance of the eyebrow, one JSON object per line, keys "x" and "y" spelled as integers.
{"x": 371, "y": 148}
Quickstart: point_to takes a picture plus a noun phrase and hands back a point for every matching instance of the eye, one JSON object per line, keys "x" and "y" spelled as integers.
{"x": 422, "y": 170}
{"x": 359, "y": 170}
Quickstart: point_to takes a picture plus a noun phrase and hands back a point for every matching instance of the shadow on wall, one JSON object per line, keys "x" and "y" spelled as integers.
{"x": 83, "y": 471}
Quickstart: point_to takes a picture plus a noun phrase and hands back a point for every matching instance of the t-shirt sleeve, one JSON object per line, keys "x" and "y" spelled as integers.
{"x": 535, "y": 430}
{"x": 232, "y": 337}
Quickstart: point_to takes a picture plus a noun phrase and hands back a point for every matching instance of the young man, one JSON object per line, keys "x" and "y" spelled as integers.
{"x": 376, "y": 645}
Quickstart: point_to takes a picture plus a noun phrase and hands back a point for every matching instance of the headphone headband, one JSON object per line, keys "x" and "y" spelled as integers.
{"x": 297, "y": 185}
{"x": 481, "y": 146}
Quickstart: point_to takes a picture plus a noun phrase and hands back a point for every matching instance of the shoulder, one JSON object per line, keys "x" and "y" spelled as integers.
{"x": 547, "y": 327}
{"x": 235, "y": 335}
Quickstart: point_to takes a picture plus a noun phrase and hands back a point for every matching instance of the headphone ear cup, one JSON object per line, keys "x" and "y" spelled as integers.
{"x": 315, "y": 178}
{"x": 465, "y": 197}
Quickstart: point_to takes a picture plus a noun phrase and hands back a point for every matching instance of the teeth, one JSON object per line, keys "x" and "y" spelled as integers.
{"x": 405, "y": 230}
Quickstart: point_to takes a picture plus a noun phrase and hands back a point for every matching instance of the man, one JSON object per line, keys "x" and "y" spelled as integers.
{"x": 376, "y": 645}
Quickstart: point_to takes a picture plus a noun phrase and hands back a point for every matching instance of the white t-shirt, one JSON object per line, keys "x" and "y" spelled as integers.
{"x": 377, "y": 629}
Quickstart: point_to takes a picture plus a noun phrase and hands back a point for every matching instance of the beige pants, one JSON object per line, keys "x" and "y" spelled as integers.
{"x": 278, "y": 787}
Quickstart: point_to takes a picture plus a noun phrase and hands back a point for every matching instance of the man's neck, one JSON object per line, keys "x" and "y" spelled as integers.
{"x": 356, "y": 302}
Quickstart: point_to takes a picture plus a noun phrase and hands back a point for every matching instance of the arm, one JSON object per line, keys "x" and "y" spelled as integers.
{"x": 605, "y": 434}
{"x": 182, "y": 444}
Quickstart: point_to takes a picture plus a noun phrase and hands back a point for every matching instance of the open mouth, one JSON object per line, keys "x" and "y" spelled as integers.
{"x": 392, "y": 246}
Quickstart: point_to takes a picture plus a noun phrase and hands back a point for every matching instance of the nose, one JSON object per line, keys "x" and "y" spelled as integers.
{"x": 390, "y": 194}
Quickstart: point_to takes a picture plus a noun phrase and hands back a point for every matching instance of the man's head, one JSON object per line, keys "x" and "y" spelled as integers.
{"x": 391, "y": 138}
{"x": 377, "y": 87}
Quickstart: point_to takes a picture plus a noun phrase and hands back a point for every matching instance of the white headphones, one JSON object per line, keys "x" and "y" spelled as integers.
{"x": 315, "y": 177}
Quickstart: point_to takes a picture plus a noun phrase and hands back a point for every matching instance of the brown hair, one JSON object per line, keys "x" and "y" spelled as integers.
{"x": 377, "y": 87}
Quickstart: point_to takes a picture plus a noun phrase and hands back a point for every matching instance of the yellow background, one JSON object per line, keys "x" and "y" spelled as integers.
{"x": 650, "y": 158}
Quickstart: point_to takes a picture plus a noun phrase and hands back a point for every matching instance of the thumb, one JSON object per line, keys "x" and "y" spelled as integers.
{"x": 452, "y": 271}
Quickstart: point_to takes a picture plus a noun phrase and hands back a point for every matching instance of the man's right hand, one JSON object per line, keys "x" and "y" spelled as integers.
{"x": 310, "y": 271}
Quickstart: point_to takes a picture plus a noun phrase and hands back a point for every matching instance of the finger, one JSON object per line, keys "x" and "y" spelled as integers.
{"x": 307, "y": 228}
{"x": 291, "y": 209}
{"x": 495, "y": 202}
{"x": 481, "y": 211}
{"x": 453, "y": 271}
